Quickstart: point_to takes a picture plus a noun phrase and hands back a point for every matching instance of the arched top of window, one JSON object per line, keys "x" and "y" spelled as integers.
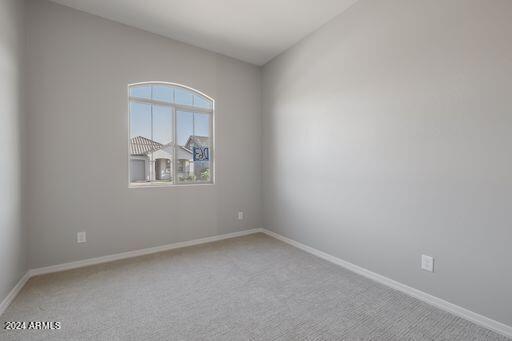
{"x": 170, "y": 93}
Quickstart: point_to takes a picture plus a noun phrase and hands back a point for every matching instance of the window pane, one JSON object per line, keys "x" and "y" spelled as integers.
{"x": 185, "y": 130}
{"x": 184, "y": 124}
{"x": 140, "y": 142}
{"x": 202, "y": 139}
{"x": 162, "y": 124}
{"x": 202, "y": 102}
{"x": 163, "y": 152}
{"x": 202, "y": 171}
{"x": 183, "y": 96}
{"x": 201, "y": 125}
{"x": 141, "y": 91}
{"x": 163, "y": 93}
{"x": 140, "y": 120}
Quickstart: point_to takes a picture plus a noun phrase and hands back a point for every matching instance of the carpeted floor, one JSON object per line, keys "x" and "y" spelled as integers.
{"x": 248, "y": 288}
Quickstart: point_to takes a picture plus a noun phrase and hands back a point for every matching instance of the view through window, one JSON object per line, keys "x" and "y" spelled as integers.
{"x": 171, "y": 135}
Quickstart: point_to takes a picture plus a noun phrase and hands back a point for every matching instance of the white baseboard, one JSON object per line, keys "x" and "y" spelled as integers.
{"x": 136, "y": 253}
{"x": 13, "y": 293}
{"x": 423, "y": 296}
{"x": 435, "y": 301}
{"x": 118, "y": 256}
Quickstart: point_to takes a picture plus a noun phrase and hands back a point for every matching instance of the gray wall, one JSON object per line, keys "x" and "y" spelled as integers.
{"x": 12, "y": 233}
{"x": 78, "y": 69}
{"x": 386, "y": 135}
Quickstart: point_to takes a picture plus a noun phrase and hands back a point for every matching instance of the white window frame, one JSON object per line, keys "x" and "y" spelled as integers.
{"x": 174, "y": 108}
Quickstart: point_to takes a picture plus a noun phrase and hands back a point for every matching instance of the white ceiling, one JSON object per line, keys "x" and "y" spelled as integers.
{"x": 251, "y": 30}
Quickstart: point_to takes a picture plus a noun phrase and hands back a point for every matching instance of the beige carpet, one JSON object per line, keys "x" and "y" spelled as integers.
{"x": 248, "y": 288}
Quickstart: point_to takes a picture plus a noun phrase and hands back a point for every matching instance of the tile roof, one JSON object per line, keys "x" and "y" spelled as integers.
{"x": 141, "y": 146}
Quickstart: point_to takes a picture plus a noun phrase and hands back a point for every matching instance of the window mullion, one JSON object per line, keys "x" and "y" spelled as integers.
{"x": 210, "y": 147}
{"x": 175, "y": 148}
{"x": 151, "y": 158}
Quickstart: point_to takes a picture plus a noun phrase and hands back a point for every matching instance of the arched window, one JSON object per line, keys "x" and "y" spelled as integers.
{"x": 171, "y": 135}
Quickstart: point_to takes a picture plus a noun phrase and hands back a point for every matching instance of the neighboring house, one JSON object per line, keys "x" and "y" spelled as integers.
{"x": 150, "y": 160}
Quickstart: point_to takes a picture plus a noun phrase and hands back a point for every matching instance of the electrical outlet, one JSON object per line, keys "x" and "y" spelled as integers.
{"x": 240, "y": 215}
{"x": 81, "y": 237}
{"x": 427, "y": 263}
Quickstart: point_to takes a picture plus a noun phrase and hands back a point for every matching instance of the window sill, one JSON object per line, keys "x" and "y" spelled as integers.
{"x": 164, "y": 185}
